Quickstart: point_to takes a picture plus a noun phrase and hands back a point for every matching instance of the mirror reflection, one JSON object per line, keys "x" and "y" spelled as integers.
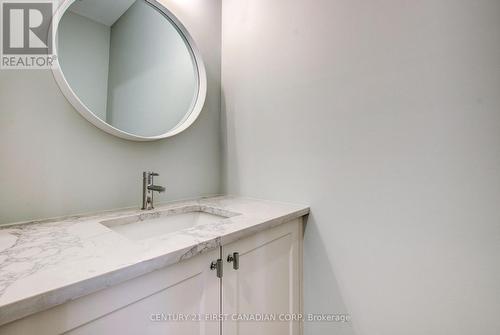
{"x": 128, "y": 64}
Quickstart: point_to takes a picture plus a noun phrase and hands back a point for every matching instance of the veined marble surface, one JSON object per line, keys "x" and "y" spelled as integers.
{"x": 50, "y": 262}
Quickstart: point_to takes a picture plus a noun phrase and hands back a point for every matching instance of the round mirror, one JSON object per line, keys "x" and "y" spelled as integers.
{"x": 129, "y": 67}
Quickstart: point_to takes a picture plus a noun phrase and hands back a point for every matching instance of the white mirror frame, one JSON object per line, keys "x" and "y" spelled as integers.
{"x": 188, "y": 119}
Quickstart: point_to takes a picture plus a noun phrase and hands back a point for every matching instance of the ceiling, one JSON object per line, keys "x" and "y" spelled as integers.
{"x": 105, "y": 12}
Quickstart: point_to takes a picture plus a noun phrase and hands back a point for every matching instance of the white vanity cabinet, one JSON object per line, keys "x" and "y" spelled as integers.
{"x": 266, "y": 284}
{"x": 187, "y": 288}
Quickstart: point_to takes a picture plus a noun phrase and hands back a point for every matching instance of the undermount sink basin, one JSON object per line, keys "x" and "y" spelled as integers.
{"x": 157, "y": 223}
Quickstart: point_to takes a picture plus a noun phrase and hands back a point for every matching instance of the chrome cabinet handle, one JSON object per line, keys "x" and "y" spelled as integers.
{"x": 217, "y": 265}
{"x": 235, "y": 259}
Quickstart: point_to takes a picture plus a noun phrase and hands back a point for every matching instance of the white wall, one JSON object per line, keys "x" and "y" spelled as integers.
{"x": 385, "y": 117}
{"x": 53, "y": 162}
{"x": 83, "y": 52}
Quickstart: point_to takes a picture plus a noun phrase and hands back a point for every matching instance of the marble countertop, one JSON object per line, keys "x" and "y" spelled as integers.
{"x": 50, "y": 262}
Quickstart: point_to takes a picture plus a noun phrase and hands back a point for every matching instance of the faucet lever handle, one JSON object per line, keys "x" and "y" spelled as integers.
{"x": 153, "y": 174}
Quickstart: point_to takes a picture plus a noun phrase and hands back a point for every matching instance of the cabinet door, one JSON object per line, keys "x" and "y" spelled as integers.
{"x": 138, "y": 306}
{"x": 267, "y": 284}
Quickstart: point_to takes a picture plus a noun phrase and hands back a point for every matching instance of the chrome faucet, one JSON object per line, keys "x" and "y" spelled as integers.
{"x": 148, "y": 188}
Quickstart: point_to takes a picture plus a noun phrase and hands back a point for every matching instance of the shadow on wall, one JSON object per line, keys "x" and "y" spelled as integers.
{"x": 321, "y": 302}
{"x": 318, "y": 267}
